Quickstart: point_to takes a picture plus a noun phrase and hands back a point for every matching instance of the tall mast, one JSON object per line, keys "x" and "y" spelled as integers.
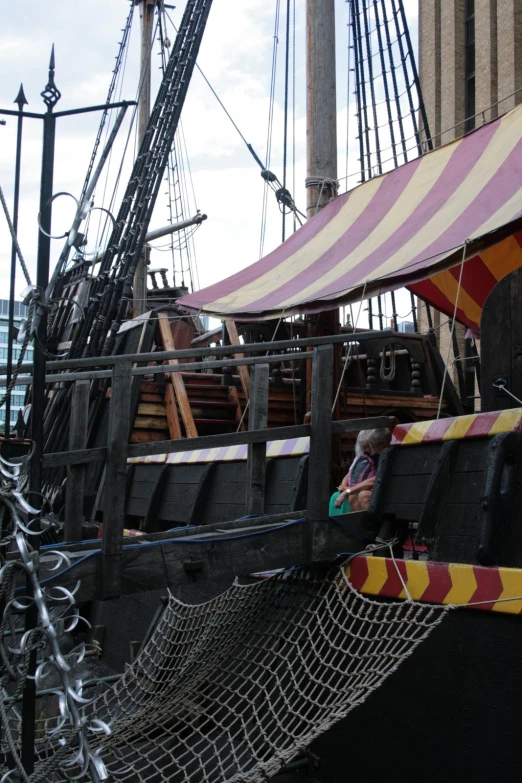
{"x": 321, "y": 111}
{"x": 147, "y": 8}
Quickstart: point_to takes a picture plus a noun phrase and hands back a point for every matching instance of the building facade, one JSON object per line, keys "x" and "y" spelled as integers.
{"x": 18, "y": 394}
{"x": 470, "y": 68}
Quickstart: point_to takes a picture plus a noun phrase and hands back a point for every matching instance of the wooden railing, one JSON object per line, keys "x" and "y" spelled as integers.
{"x": 115, "y": 454}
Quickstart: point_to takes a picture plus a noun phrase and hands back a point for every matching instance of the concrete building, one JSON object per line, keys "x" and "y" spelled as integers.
{"x": 470, "y": 67}
{"x": 18, "y": 394}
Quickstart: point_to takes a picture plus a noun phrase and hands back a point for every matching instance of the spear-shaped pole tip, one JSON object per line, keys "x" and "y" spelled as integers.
{"x": 20, "y": 99}
{"x": 51, "y": 93}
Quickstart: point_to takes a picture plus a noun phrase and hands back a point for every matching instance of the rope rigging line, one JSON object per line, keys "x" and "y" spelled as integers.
{"x": 270, "y": 125}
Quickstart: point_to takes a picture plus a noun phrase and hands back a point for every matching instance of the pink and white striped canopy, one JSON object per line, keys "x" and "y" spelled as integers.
{"x": 402, "y": 228}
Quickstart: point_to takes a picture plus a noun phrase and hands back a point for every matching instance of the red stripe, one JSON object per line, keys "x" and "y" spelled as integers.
{"x": 489, "y": 585}
{"x": 358, "y": 572}
{"x": 440, "y": 583}
{"x": 393, "y": 585}
{"x": 437, "y": 430}
{"x": 477, "y": 280}
{"x": 399, "y": 433}
{"x": 482, "y": 425}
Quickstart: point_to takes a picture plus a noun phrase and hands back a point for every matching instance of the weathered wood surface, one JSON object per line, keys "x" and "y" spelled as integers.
{"x": 76, "y": 473}
{"x": 256, "y": 459}
{"x": 115, "y": 481}
{"x": 501, "y": 344}
{"x": 213, "y": 441}
{"x": 242, "y": 369}
{"x": 207, "y": 555}
{"x": 177, "y": 380}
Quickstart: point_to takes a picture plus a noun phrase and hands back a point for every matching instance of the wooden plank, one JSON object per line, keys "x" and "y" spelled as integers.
{"x": 146, "y": 436}
{"x": 320, "y": 434}
{"x": 242, "y": 370}
{"x": 76, "y": 473}
{"x": 159, "y": 562}
{"x": 233, "y": 396}
{"x": 150, "y": 423}
{"x": 171, "y": 409}
{"x": 224, "y": 350}
{"x": 256, "y": 457}
{"x": 212, "y": 441}
{"x": 177, "y": 380}
{"x": 115, "y": 482}
{"x": 151, "y": 409}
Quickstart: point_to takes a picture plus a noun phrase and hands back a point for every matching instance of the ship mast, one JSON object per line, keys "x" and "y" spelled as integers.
{"x": 321, "y": 112}
{"x": 147, "y": 8}
{"x": 321, "y": 137}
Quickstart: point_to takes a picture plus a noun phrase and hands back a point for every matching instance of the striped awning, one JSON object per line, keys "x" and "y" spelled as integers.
{"x": 408, "y": 227}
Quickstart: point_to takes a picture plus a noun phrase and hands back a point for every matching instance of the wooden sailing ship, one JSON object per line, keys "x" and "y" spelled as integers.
{"x": 221, "y": 447}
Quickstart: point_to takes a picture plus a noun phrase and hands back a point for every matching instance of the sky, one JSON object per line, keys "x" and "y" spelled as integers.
{"x": 236, "y": 56}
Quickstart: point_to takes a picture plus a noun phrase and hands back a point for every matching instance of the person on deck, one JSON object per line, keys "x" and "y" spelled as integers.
{"x": 358, "y": 484}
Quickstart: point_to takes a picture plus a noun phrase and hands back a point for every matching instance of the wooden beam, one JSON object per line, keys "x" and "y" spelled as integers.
{"x": 164, "y": 563}
{"x": 177, "y": 381}
{"x": 220, "y": 350}
{"x": 244, "y": 376}
{"x": 171, "y": 409}
{"x": 99, "y": 454}
{"x": 256, "y": 459}
{"x": 115, "y": 482}
{"x": 74, "y": 489}
{"x": 320, "y": 433}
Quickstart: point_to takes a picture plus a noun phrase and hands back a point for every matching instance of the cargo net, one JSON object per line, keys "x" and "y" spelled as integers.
{"x": 232, "y": 689}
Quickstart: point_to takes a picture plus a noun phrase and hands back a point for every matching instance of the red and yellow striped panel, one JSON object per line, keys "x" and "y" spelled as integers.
{"x": 490, "y": 589}
{"x": 292, "y": 447}
{"x": 476, "y": 425}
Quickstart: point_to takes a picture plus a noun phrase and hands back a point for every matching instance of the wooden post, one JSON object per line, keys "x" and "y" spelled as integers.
{"x": 76, "y": 473}
{"x": 115, "y": 481}
{"x": 256, "y": 459}
{"x": 177, "y": 382}
{"x": 244, "y": 377}
{"x": 147, "y": 8}
{"x": 320, "y": 434}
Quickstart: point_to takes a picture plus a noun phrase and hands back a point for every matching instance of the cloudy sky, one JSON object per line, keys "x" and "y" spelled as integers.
{"x": 236, "y": 56}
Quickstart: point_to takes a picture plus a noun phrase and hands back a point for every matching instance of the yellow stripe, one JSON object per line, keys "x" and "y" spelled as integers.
{"x": 377, "y": 575}
{"x": 303, "y": 258}
{"x": 500, "y": 146}
{"x": 503, "y": 258}
{"x": 511, "y": 579}
{"x": 463, "y": 584}
{"x": 418, "y": 579}
{"x": 416, "y": 432}
{"x": 506, "y": 421}
{"x": 448, "y": 286}
{"x": 427, "y": 173}
{"x": 459, "y": 427}
{"x": 274, "y": 448}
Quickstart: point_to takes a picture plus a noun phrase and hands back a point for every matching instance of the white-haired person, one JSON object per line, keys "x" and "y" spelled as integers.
{"x": 356, "y": 488}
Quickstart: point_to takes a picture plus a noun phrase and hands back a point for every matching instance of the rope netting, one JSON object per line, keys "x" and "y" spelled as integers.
{"x": 233, "y": 689}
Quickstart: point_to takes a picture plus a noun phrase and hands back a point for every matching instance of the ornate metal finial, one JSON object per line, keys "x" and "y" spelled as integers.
{"x": 20, "y": 99}
{"x": 51, "y": 94}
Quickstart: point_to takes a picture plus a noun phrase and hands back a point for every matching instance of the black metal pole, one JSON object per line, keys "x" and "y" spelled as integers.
{"x": 51, "y": 96}
{"x": 21, "y": 101}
